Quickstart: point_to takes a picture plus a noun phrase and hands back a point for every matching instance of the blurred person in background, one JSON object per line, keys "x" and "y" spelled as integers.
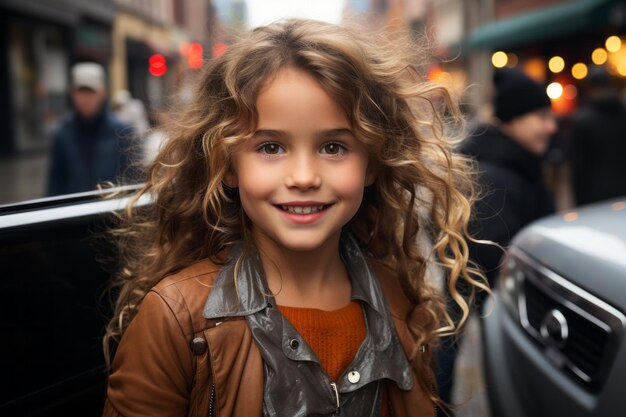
{"x": 509, "y": 156}
{"x": 91, "y": 145}
{"x": 131, "y": 111}
{"x": 152, "y": 141}
{"x": 598, "y": 141}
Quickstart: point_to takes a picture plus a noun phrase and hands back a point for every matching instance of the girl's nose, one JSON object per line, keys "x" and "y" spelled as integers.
{"x": 303, "y": 173}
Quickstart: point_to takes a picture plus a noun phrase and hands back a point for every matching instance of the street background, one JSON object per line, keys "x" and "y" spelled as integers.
{"x": 42, "y": 39}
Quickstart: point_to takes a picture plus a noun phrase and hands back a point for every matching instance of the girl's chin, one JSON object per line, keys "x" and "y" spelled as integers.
{"x": 300, "y": 243}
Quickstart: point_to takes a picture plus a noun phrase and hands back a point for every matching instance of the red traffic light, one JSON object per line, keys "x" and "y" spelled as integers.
{"x": 157, "y": 65}
{"x": 194, "y": 55}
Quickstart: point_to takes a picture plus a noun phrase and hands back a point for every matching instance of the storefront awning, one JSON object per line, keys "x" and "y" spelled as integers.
{"x": 548, "y": 23}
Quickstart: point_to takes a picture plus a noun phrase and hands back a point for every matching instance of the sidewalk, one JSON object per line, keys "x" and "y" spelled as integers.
{"x": 469, "y": 393}
{"x": 23, "y": 177}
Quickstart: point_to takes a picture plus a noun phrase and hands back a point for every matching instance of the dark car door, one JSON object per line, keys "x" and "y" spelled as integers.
{"x": 55, "y": 265}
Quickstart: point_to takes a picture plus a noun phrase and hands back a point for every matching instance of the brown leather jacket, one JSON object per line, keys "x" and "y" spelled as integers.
{"x": 156, "y": 372}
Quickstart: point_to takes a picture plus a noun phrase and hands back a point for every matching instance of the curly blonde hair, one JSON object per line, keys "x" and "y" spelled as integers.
{"x": 422, "y": 186}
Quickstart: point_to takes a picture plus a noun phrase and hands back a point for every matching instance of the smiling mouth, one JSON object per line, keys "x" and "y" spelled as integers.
{"x": 303, "y": 209}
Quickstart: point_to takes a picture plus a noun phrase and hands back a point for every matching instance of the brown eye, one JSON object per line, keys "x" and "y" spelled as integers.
{"x": 333, "y": 148}
{"x": 270, "y": 148}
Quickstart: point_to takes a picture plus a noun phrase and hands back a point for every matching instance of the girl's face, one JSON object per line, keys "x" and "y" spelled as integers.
{"x": 301, "y": 176}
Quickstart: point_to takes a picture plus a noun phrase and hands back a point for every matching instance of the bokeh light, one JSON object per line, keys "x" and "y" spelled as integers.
{"x": 570, "y": 92}
{"x": 599, "y": 56}
{"x": 554, "y": 90}
{"x": 512, "y": 60}
{"x": 535, "y": 68}
{"x": 579, "y": 71}
{"x": 613, "y": 43}
{"x": 499, "y": 59}
{"x": 556, "y": 64}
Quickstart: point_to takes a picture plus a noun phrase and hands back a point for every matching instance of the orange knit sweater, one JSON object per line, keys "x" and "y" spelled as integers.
{"x": 335, "y": 336}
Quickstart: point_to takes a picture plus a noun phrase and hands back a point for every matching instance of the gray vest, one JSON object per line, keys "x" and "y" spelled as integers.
{"x": 295, "y": 381}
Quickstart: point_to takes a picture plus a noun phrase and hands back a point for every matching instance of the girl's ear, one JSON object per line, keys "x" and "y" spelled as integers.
{"x": 231, "y": 179}
{"x": 370, "y": 176}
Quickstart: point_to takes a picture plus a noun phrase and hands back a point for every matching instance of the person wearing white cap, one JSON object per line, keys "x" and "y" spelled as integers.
{"x": 91, "y": 145}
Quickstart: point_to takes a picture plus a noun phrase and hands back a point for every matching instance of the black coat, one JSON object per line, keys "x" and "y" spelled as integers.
{"x": 513, "y": 194}
{"x": 598, "y": 152}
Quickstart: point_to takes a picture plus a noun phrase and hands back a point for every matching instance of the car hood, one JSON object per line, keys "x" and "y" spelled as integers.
{"x": 587, "y": 246}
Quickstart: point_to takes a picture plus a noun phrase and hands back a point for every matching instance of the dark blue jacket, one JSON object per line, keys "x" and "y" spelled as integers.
{"x": 85, "y": 154}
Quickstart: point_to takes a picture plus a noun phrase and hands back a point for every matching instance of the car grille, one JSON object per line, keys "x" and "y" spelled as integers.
{"x": 586, "y": 341}
{"x": 579, "y": 332}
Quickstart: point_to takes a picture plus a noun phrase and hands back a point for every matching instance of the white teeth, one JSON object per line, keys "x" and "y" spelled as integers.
{"x": 303, "y": 209}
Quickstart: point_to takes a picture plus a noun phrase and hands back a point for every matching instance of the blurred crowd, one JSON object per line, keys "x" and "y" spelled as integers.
{"x": 573, "y": 160}
{"x": 530, "y": 163}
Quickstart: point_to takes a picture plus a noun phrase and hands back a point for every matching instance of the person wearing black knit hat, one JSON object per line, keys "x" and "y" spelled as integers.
{"x": 523, "y": 108}
{"x": 509, "y": 157}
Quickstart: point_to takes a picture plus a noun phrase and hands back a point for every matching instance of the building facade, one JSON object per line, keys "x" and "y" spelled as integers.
{"x": 533, "y": 35}
{"x": 40, "y": 41}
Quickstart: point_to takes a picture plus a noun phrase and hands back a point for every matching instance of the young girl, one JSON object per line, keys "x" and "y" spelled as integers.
{"x": 278, "y": 269}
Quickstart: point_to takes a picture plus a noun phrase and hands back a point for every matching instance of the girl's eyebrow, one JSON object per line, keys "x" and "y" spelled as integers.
{"x": 269, "y": 134}
{"x": 276, "y": 134}
{"x": 336, "y": 132}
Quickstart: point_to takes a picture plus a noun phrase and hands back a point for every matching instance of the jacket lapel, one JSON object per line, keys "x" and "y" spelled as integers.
{"x": 237, "y": 369}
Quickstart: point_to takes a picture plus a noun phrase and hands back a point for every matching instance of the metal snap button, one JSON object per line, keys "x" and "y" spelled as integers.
{"x": 354, "y": 377}
{"x": 198, "y": 346}
{"x": 294, "y": 344}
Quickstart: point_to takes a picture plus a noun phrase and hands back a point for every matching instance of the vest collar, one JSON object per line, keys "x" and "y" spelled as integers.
{"x": 249, "y": 293}
{"x": 240, "y": 289}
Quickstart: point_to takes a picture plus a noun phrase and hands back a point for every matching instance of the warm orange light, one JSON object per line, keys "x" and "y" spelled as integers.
{"x": 556, "y": 64}
{"x": 499, "y": 59}
{"x": 579, "y": 71}
{"x": 435, "y": 73}
{"x": 194, "y": 55}
{"x": 512, "y": 60}
{"x": 613, "y": 43}
{"x": 536, "y": 69}
{"x": 570, "y": 92}
{"x": 599, "y": 56}
{"x": 621, "y": 68}
{"x": 616, "y": 62}
{"x": 438, "y": 75}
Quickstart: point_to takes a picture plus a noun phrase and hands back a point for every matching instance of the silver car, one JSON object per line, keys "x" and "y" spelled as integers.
{"x": 554, "y": 339}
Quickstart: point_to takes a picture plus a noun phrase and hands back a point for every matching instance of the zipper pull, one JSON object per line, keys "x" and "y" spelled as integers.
{"x": 336, "y": 392}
